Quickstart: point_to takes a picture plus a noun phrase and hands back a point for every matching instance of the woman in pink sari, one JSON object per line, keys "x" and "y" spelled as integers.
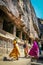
{"x": 34, "y": 51}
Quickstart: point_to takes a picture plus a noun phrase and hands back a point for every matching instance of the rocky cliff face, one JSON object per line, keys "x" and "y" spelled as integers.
{"x": 24, "y": 10}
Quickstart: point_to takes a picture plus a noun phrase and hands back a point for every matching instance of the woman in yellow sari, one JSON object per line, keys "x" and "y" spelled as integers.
{"x": 15, "y": 52}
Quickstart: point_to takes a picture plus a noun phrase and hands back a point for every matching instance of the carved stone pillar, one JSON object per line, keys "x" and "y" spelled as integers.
{"x": 14, "y": 31}
{"x": 20, "y": 36}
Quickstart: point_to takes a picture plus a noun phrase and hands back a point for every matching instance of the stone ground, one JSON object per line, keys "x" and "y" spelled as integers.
{"x": 21, "y": 61}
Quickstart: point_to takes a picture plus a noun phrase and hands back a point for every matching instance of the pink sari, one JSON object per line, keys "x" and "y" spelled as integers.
{"x": 34, "y": 51}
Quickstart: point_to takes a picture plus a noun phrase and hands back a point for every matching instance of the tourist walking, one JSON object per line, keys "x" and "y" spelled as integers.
{"x": 34, "y": 51}
{"x": 15, "y": 52}
{"x": 25, "y": 46}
